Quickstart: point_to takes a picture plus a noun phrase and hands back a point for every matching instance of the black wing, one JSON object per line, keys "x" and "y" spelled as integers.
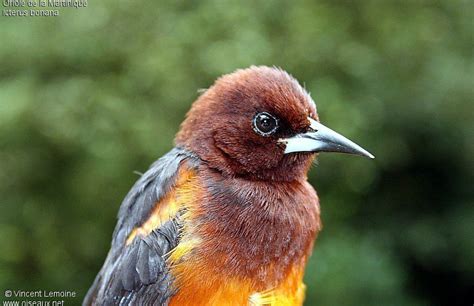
{"x": 136, "y": 274}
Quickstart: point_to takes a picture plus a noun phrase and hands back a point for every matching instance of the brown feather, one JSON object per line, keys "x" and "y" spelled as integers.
{"x": 218, "y": 128}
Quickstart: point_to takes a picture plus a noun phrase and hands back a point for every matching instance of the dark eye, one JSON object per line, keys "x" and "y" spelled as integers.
{"x": 265, "y": 124}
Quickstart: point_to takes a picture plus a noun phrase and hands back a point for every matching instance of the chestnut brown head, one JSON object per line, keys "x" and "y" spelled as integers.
{"x": 259, "y": 123}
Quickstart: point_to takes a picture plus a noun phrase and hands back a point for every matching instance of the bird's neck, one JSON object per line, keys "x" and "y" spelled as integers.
{"x": 258, "y": 224}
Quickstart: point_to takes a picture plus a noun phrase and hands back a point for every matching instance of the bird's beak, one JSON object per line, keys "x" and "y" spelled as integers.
{"x": 322, "y": 139}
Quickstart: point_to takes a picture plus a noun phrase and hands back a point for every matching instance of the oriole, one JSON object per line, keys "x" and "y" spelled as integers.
{"x": 227, "y": 217}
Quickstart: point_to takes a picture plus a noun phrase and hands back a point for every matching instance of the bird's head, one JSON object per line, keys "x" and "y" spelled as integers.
{"x": 259, "y": 123}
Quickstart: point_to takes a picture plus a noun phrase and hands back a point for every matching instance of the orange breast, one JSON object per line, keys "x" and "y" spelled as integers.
{"x": 198, "y": 288}
{"x": 245, "y": 252}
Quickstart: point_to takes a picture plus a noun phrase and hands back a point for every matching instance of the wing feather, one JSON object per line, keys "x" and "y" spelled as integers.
{"x": 136, "y": 272}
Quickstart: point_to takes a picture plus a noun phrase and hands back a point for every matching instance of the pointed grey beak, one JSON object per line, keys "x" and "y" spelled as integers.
{"x": 322, "y": 139}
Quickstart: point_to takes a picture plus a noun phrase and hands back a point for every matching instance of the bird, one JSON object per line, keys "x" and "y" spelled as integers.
{"x": 227, "y": 216}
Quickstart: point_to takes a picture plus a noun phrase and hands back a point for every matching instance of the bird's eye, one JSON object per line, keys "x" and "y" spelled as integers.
{"x": 265, "y": 124}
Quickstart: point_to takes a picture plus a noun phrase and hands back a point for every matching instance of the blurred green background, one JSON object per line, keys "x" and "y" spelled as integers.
{"x": 90, "y": 96}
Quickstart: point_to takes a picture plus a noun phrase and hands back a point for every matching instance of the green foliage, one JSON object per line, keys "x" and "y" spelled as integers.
{"x": 90, "y": 96}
